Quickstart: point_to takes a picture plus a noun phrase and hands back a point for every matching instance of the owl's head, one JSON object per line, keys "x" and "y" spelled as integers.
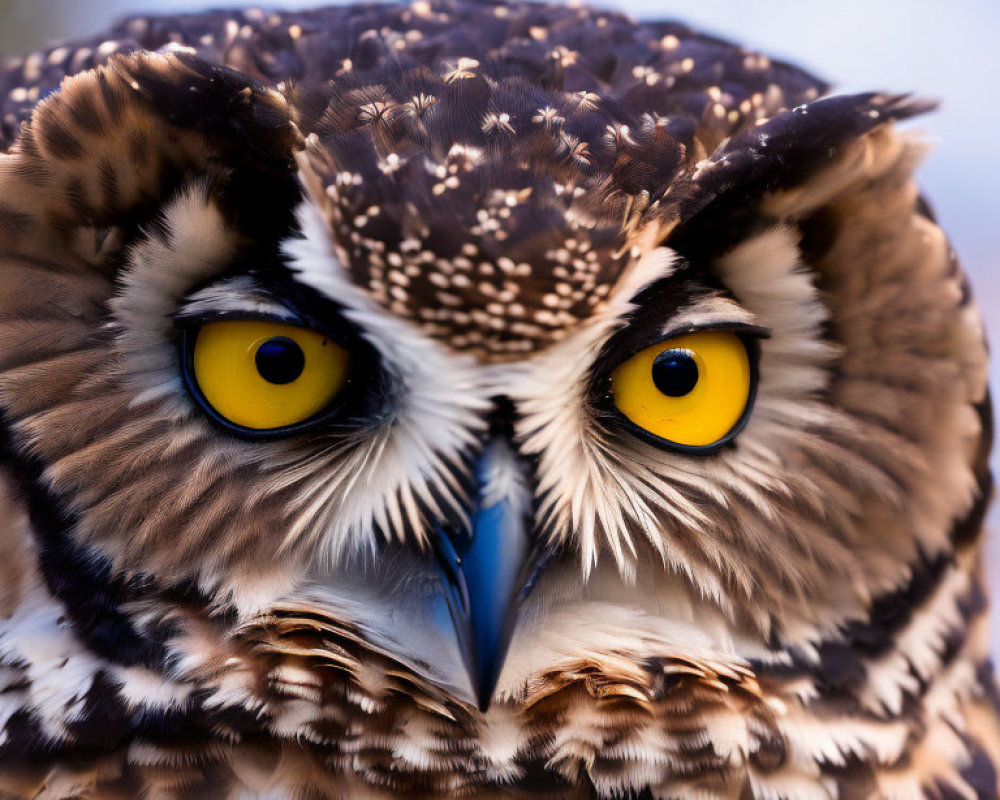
{"x": 431, "y": 338}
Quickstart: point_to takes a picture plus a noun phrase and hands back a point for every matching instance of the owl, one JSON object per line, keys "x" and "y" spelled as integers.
{"x": 480, "y": 399}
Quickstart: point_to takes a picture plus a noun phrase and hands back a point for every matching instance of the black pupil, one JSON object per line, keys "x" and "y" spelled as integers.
{"x": 280, "y": 360}
{"x": 675, "y": 372}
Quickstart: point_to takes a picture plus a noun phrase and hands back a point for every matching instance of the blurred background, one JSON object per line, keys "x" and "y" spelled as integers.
{"x": 945, "y": 49}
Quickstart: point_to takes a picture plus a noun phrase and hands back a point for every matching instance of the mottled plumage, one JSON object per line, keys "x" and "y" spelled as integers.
{"x": 490, "y": 207}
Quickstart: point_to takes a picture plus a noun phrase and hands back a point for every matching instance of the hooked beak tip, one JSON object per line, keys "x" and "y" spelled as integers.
{"x": 485, "y": 698}
{"x": 488, "y": 575}
{"x": 482, "y": 643}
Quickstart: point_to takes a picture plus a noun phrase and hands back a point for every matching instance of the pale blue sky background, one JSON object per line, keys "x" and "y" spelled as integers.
{"x": 945, "y": 49}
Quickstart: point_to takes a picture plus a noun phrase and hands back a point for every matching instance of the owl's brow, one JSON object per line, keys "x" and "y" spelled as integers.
{"x": 684, "y": 301}
{"x": 268, "y": 295}
{"x": 239, "y": 295}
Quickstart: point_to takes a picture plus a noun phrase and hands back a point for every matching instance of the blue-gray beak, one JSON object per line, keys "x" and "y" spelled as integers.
{"x": 489, "y": 570}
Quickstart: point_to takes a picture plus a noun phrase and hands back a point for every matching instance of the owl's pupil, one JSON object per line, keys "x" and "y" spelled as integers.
{"x": 675, "y": 373}
{"x": 280, "y": 360}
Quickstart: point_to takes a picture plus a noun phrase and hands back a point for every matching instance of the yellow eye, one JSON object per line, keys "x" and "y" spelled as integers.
{"x": 691, "y": 390}
{"x": 264, "y": 375}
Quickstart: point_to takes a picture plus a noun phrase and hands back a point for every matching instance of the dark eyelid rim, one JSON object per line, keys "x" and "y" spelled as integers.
{"x": 745, "y": 330}
{"x": 750, "y": 335}
{"x": 342, "y": 334}
{"x": 611, "y": 357}
{"x": 359, "y": 383}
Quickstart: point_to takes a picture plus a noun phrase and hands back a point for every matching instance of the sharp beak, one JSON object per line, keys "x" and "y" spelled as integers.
{"x": 489, "y": 571}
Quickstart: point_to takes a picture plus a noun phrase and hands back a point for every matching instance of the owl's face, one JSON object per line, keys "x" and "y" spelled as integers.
{"x": 430, "y": 358}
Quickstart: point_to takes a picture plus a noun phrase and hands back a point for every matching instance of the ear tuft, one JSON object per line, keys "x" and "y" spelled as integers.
{"x": 116, "y": 142}
{"x": 712, "y": 208}
{"x": 249, "y": 120}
